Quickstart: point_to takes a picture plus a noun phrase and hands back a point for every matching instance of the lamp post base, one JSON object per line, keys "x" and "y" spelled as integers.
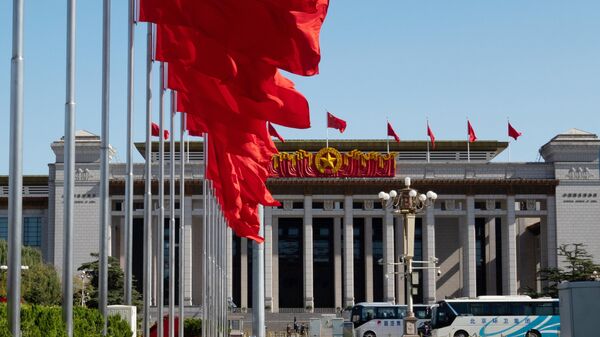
{"x": 410, "y": 327}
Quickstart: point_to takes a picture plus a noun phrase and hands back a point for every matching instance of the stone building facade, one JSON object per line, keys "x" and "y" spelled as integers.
{"x": 494, "y": 225}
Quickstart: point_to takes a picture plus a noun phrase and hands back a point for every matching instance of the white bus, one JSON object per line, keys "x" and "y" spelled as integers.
{"x": 496, "y": 316}
{"x": 380, "y": 319}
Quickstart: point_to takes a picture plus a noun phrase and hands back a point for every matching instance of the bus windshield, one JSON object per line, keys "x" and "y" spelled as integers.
{"x": 364, "y": 313}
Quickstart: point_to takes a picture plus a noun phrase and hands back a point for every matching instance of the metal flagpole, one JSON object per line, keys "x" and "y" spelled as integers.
{"x": 148, "y": 186}
{"x": 104, "y": 168}
{"x": 69, "y": 170}
{"x": 209, "y": 228}
{"x": 204, "y": 234}
{"x": 160, "y": 236}
{"x": 15, "y": 186}
{"x": 172, "y": 220}
{"x": 468, "y": 143}
{"x": 128, "y": 232}
{"x": 181, "y": 221}
{"x": 258, "y": 281}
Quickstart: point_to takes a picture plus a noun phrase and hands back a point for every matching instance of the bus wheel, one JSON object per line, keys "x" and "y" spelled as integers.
{"x": 533, "y": 333}
{"x": 461, "y": 333}
{"x": 369, "y": 334}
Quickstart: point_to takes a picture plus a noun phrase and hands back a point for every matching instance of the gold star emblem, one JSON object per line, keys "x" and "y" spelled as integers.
{"x": 328, "y": 162}
{"x": 328, "y": 159}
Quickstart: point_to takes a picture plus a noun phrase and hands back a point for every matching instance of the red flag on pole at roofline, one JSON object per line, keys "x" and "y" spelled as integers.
{"x": 392, "y": 133}
{"x": 471, "y": 132}
{"x": 274, "y": 133}
{"x": 512, "y": 132}
{"x": 431, "y": 136}
{"x": 156, "y": 131}
{"x": 335, "y": 123}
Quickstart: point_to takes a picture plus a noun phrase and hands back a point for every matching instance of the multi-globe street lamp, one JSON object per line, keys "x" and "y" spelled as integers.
{"x": 407, "y": 202}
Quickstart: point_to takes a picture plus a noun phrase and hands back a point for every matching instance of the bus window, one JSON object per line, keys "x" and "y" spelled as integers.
{"x": 544, "y": 309}
{"x": 387, "y": 313}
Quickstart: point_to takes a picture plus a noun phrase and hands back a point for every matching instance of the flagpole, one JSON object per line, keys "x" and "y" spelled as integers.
{"x": 104, "y": 169}
{"x": 508, "y": 139}
{"x": 326, "y": 131}
{"x": 258, "y": 280}
{"x": 204, "y": 235}
{"x": 468, "y": 143}
{"x": 15, "y": 186}
{"x": 128, "y": 232}
{"x": 69, "y": 169}
{"x": 388, "y": 136}
{"x": 428, "y": 158}
{"x": 148, "y": 186}
{"x": 172, "y": 220}
{"x": 181, "y": 221}
{"x": 160, "y": 236}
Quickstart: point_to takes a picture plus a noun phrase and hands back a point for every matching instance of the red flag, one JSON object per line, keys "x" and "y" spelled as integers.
{"x": 472, "y": 136}
{"x": 431, "y": 136}
{"x": 512, "y": 132}
{"x": 156, "y": 131}
{"x": 286, "y": 39}
{"x": 335, "y": 123}
{"x": 392, "y": 133}
{"x": 274, "y": 133}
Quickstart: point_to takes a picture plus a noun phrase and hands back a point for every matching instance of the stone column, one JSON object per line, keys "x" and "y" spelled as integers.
{"x": 548, "y": 235}
{"x": 467, "y": 239}
{"x": 244, "y": 273}
{"x": 348, "y": 252}
{"x": 268, "y": 211}
{"x": 369, "y": 259}
{"x": 337, "y": 256}
{"x": 388, "y": 257}
{"x": 308, "y": 253}
{"x": 399, "y": 278}
{"x": 491, "y": 259}
{"x": 509, "y": 249}
{"x": 275, "y": 265}
{"x": 429, "y": 275}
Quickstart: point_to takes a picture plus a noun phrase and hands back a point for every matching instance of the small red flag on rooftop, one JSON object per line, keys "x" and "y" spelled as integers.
{"x": 472, "y": 136}
{"x": 156, "y": 131}
{"x": 512, "y": 132}
{"x": 335, "y": 123}
{"x": 431, "y": 136}
{"x": 274, "y": 133}
{"x": 392, "y": 133}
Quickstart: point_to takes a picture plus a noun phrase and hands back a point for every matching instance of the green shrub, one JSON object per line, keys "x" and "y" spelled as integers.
{"x": 192, "y": 327}
{"x": 41, "y": 321}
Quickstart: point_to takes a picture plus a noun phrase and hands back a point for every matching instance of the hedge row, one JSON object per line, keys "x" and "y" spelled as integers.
{"x": 41, "y": 321}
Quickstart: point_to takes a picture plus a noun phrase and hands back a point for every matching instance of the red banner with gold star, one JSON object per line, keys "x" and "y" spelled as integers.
{"x": 329, "y": 162}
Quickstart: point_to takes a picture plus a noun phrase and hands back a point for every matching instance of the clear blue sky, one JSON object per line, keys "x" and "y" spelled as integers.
{"x": 535, "y": 61}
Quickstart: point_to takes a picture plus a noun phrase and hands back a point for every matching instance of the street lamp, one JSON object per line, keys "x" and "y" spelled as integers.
{"x": 408, "y": 202}
{"x": 84, "y": 276}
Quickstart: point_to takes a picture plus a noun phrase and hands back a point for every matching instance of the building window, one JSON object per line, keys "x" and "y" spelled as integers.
{"x": 4, "y": 228}
{"x": 32, "y": 231}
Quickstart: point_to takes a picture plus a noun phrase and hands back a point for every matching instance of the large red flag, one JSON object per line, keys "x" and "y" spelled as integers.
{"x": 286, "y": 39}
{"x": 392, "y": 133}
{"x": 189, "y": 47}
{"x": 282, "y": 104}
{"x": 512, "y": 132}
{"x": 335, "y": 123}
{"x": 471, "y": 132}
{"x": 156, "y": 131}
{"x": 274, "y": 133}
{"x": 431, "y": 136}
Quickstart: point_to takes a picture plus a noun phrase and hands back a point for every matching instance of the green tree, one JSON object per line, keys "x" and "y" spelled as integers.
{"x": 115, "y": 283}
{"x": 578, "y": 266}
{"x": 40, "y": 283}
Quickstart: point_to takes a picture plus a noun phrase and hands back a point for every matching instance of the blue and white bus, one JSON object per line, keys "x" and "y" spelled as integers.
{"x": 375, "y": 319}
{"x": 496, "y": 316}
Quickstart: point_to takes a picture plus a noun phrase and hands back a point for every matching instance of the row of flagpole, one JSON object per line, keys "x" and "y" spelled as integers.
{"x": 16, "y": 178}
